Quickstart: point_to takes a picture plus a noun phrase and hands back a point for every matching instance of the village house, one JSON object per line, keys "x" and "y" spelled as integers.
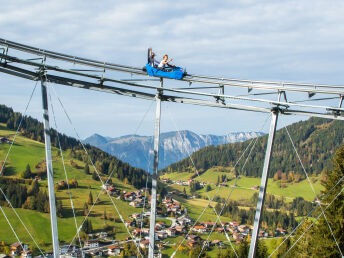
{"x": 129, "y": 196}
{"x": 217, "y": 243}
{"x": 145, "y": 231}
{"x": 114, "y": 250}
{"x": 67, "y": 249}
{"x": 136, "y": 231}
{"x": 194, "y": 237}
{"x": 192, "y": 243}
{"x": 171, "y": 232}
{"x": 233, "y": 229}
{"x": 243, "y": 228}
{"x": 160, "y": 225}
{"x": 130, "y": 223}
{"x": 137, "y": 203}
{"x": 162, "y": 235}
{"x": 165, "y": 180}
{"x": 26, "y": 254}
{"x": 200, "y": 229}
{"x": 144, "y": 244}
{"x": 180, "y": 229}
{"x": 184, "y": 220}
{"x": 234, "y": 223}
{"x": 238, "y": 237}
{"x": 208, "y": 224}
{"x": 17, "y": 248}
{"x": 92, "y": 243}
{"x": 263, "y": 233}
{"x": 220, "y": 230}
{"x": 280, "y": 232}
{"x": 102, "y": 234}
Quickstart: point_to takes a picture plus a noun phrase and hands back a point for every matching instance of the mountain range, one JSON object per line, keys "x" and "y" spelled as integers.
{"x": 174, "y": 146}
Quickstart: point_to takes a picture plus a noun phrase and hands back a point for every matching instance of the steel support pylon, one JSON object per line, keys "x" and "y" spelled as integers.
{"x": 50, "y": 173}
{"x": 155, "y": 173}
{"x": 264, "y": 180}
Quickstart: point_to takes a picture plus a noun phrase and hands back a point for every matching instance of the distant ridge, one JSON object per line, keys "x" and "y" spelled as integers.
{"x": 174, "y": 146}
{"x": 315, "y": 139}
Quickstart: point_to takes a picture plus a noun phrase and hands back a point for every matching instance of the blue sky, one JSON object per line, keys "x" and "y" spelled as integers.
{"x": 299, "y": 41}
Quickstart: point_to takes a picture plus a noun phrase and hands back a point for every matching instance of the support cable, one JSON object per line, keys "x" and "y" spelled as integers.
{"x": 236, "y": 181}
{"x": 201, "y": 214}
{"x": 309, "y": 214}
{"x": 198, "y": 175}
{"x": 90, "y": 210}
{"x": 96, "y": 170}
{"x": 314, "y": 222}
{"x": 218, "y": 189}
{"x": 64, "y": 169}
{"x": 17, "y": 131}
{"x": 4, "y": 163}
{"x": 304, "y": 170}
{"x": 146, "y": 188}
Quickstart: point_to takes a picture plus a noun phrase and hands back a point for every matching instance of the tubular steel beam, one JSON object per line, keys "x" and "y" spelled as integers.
{"x": 176, "y": 91}
{"x": 50, "y": 173}
{"x": 155, "y": 173}
{"x": 331, "y": 112}
{"x": 265, "y": 85}
{"x": 264, "y": 180}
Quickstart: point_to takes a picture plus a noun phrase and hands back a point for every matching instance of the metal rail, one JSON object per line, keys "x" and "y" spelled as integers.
{"x": 102, "y": 79}
{"x": 250, "y": 84}
{"x": 99, "y": 86}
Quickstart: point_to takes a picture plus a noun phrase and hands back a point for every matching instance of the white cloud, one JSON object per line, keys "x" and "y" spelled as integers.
{"x": 277, "y": 40}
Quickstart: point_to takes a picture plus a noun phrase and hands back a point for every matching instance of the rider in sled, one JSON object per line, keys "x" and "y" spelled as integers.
{"x": 164, "y": 64}
{"x": 163, "y": 68}
{"x": 151, "y": 59}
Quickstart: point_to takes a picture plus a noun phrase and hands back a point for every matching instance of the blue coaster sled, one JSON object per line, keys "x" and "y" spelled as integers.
{"x": 173, "y": 73}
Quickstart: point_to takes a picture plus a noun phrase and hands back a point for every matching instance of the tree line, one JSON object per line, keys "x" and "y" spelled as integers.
{"x": 315, "y": 140}
{"x": 104, "y": 162}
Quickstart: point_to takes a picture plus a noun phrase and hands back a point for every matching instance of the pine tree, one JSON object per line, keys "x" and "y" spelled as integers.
{"x": 34, "y": 188}
{"x": 59, "y": 209}
{"x": 90, "y": 199}
{"x": 262, "y": 250}
{"x": 85, "y": 209}
{"x": 243, "y": 249}
{"x": 87, "y": 227}
{"x": 87, "y": 169}
{"x": 105, "y": 216}
{"x": 27, "y": 172}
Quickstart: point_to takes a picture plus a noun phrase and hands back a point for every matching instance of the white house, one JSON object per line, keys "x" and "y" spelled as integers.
{"x": 93, "y": 243}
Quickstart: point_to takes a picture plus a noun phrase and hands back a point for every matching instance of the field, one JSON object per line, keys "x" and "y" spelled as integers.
{"x": 244, "y": 190}
{"x": 26, "y": 151}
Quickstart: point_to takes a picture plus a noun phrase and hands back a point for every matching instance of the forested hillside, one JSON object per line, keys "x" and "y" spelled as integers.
{"x": 315, "y": 139}
{"x": 104, "y": 162}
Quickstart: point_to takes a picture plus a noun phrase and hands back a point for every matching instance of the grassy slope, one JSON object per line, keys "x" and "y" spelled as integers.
{"x": 26, "y": 151}
{"x": 244, "y": 186}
